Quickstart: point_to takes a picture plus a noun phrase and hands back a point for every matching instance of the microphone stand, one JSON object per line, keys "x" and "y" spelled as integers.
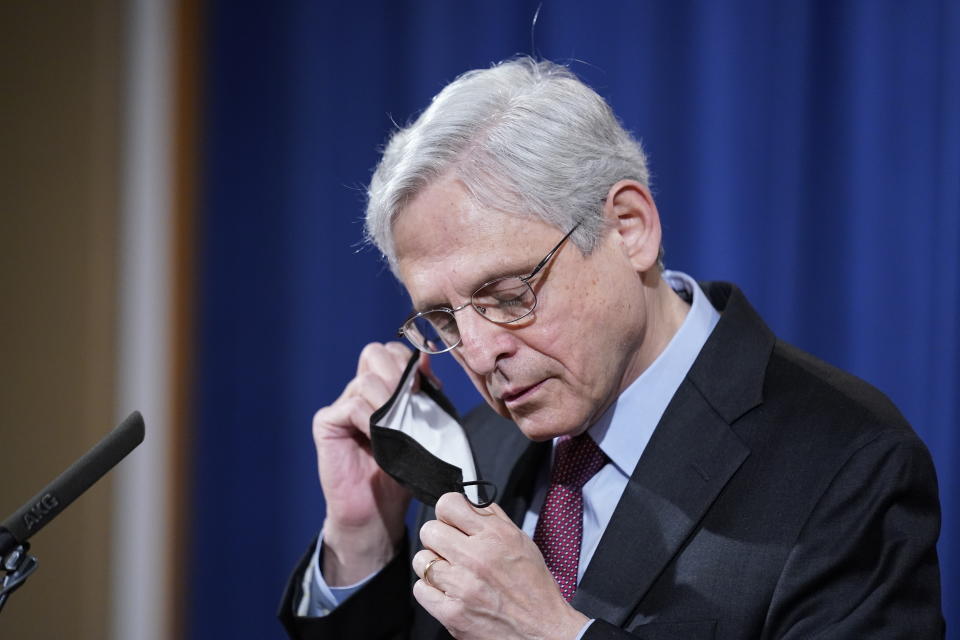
{"x": 56, "y": 496}
{"x": 19, "y": 565}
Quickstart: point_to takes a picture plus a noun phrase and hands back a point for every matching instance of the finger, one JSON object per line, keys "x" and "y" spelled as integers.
{"x": 371, "y": 387}
{"x": 444, "y": 540}
{"x": 430, "y": 568}
{"x": 420, "y": 560}
{"x": 360, "y": 413}
{"x": 455, "y": 510}
{"x": 447, "y": 610}
{"x": 401, "y": 353}
{"x": 382, "y": 360}
{"x": 336, "y": 418}
{"x": 344, "y": 418}
{"x": 495, "y": 508}
{"x": 430, "y": 598}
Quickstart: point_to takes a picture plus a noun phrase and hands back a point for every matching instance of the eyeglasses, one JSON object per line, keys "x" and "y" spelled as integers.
{"x": 501, "y": 301}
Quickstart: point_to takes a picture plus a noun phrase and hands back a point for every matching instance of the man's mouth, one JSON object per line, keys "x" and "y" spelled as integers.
{"x": 517, "y": 395}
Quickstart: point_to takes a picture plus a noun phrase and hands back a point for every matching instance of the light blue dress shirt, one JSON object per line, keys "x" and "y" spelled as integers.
{"x": 622, "y": 433}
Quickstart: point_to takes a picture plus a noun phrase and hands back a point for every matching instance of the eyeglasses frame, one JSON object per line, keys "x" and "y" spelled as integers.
{"x": 524, "y": 279}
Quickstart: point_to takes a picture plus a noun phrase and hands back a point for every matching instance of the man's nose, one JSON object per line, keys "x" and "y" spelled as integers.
{"x": 483, "y": 343}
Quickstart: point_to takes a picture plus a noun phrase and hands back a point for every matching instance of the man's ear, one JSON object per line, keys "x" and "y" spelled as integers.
{"x": 632, "y": 213}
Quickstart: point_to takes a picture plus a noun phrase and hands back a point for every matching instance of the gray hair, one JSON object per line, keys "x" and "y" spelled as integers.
{"x": 523, "y": 136}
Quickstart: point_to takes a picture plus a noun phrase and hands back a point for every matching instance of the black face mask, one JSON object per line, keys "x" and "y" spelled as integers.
{"x": 418, "y": 440}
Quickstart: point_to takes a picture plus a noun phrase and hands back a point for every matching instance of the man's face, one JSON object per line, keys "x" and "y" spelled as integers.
{"x": 555, "y": 371}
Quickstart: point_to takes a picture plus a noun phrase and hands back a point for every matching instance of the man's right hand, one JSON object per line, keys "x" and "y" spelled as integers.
{"x": 365, "y": 506}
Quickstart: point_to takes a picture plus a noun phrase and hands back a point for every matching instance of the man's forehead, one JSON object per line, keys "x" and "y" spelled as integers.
{"x": 449, "y": 277}
{"x": 448, "y": 244}
{"x": 445, "y": 218}
{"x": 443, "y": 214}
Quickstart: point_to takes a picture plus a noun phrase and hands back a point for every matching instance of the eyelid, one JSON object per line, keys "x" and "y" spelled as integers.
{"x": 446, "y": 306}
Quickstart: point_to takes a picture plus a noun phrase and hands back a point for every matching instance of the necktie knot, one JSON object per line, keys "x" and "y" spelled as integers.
{"x": 576, "y": 460}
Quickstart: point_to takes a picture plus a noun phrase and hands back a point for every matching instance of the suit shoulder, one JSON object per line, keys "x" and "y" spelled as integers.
{"x": 826, "y": 399}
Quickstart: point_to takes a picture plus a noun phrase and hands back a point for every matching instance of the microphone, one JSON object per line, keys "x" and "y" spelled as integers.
{"x": 70, "y": 484}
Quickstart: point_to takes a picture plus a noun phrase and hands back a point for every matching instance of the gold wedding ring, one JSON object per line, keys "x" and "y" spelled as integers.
{"x": 426, "y": 572}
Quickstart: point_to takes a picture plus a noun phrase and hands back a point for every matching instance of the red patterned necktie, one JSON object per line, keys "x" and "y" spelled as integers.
{"x": 560, "y": 525}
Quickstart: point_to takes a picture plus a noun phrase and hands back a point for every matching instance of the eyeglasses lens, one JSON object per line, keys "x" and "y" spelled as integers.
{"x": 434, "y": 331}
{"x": 505, "y": 300}
{"x": 502, "y": 301}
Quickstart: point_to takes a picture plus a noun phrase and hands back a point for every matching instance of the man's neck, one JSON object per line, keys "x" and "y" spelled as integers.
{"x": 665, "y": 312}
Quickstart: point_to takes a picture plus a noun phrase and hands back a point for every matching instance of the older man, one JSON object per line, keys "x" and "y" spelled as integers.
{"x": 669, "y": 469}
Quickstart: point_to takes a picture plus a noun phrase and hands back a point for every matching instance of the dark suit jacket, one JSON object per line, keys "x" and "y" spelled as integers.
{"x": 778, "y": 498}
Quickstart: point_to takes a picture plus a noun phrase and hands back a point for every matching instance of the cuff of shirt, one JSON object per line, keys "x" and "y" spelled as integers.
{"x": 320, "y": 599}
{"x": 583, "y": 629}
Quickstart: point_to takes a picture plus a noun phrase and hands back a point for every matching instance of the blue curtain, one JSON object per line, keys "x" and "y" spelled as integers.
{"x": 809, "y": 151}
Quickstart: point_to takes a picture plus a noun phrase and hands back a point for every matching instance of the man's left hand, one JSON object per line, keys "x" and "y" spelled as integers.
{"x": 490, "y": 580}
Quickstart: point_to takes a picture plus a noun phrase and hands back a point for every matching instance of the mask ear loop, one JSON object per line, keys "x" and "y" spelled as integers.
{"x": 484, "y": 484}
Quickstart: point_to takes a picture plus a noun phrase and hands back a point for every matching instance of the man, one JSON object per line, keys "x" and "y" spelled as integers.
{"x": 668, "y": 469}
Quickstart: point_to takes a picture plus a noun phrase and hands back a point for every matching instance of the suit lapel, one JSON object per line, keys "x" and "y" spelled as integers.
{"x": 691, "y": 456}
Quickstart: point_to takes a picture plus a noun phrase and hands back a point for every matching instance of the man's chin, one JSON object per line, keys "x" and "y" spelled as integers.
{"x": 539, "y": 430}
{"x": 535, "y": 423}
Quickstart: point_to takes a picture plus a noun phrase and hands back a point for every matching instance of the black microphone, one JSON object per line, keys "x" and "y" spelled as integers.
{"x": 70, "y": 484}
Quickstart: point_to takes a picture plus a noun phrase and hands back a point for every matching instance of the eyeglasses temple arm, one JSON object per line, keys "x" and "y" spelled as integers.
{"x": 547, "y": 257}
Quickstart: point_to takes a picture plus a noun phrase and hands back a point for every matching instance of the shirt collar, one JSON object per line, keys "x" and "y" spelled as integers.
{"x": 625, "y": 428}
